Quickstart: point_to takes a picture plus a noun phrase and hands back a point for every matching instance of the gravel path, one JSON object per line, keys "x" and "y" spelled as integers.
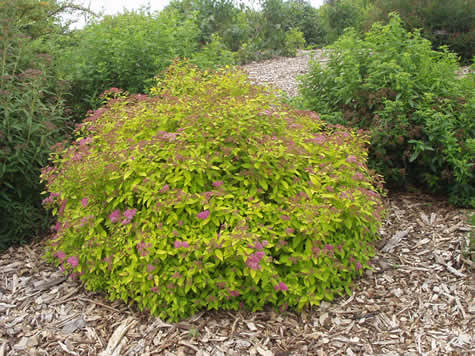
{"x": 282, "y": 72}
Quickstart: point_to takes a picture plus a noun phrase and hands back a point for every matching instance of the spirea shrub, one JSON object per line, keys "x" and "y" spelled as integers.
{"x": 210, "y": 194}
{"x": 421, "y": 117}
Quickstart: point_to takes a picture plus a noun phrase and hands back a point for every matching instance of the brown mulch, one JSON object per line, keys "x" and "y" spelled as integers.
{"x": 417, "y": 300}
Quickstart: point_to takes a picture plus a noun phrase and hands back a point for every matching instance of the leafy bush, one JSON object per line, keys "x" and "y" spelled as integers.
{"x": 447, "y": 23}
{"x": 420, "y": 115}
{"x": 294, "y": 40}
{"x": 213, "y": 55}
{"x": 32, "y": 118}
{"x": 337, "y": 15}
{"x": 125, "y": 51}
{"x": 211, "y": 194}
{"x": 302, "y": 16}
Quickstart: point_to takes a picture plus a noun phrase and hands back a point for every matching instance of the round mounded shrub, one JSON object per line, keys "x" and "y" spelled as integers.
{"x": 211, "y": 194}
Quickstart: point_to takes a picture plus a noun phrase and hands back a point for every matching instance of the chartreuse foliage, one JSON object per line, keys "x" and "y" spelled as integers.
{"x": 420, "y": 115}
{"x": 211, "y": 194}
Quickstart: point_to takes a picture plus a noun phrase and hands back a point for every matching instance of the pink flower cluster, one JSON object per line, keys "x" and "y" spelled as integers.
{"x": 281, "y": 286}
{"x": 143, "y": 247}
{"x": 351, "y": 159}
{"x": 203, "y": 215}
{"x": 183, "y": 244}
{"x": 218, "y": 183}
{"x": 73, "y": 261}
{"x": 253, "y": 260}
{"x": 128, "y": 214}
{"x": 84, "y": 202}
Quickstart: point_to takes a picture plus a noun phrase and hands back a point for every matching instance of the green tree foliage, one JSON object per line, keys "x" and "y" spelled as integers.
{"x": 420, "y": 115}
{"x": 210, "y": 194}
{"x": 124, "y": 51}
{"x": 338, "y": 15}
{"x": 302, "y": 16}
{"x": 450, "y": 23}
{"x": 213, "y": 17}
{"x": 32, "y": 118}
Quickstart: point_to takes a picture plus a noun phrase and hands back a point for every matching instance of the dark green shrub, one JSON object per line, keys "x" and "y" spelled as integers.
{"x": 450, "y": 23}
{"x": 211, "y": 194}
{"x": 214, "y": 17}
{"x": 338, "y": 15}
{"x": 302, "y": 16}
{"x": 294, "y": 40}
{"x": 213, "y": 55}
{"x": 420, "y": 115}
{"x": 31, "y": 118}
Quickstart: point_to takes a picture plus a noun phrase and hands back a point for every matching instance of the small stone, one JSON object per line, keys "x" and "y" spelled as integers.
{"x": 22, "y": 344}
{"x": 74, "y": 325}
{"x": 243, "y": 344}
{"x": 33, "y": 341}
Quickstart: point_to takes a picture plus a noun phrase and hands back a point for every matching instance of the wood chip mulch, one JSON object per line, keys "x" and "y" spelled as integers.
{"x": 417, "y": 300}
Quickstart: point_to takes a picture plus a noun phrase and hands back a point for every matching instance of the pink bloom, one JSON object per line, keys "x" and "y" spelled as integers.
{"x": 358, "y": 176}
{"x": 60, "y": 254}
{"x": 73, "y": 261}
{"x": 289, "y": 230}
{"x": 48, "y": 200}
{"x": 276, "y": 287}
{"x": 165, "y": 188}
{"x": 264, "y": 243}
{"x": 283, "y": 286}
{"x": 351, "y": 159}
{"x": 150, "y": 268}
{"x": 179, "y": 244}
{"x": 260, "y": 254}
{"x": 258, "y": 246}
{"x": 203, "y": 215}
{"x": 284, "y": 217}
{"x": 218, "y": 183}
{"x": 130, "y": 213}
{"x": 316, "y": 250}
{"x": 253, "y": 262}
{"x": 115, "y": 216}
{"x": 358, "y": 266}
{"x": 234, "y": 293}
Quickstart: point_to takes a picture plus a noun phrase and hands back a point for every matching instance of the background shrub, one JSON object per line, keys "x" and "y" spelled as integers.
{"x": 420, "y": 115}
{"x": 124, "y": 51}
{"x": 211, "y": 194}
{"x": 32, "y": 118}
{"x": 449, "y": 23}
